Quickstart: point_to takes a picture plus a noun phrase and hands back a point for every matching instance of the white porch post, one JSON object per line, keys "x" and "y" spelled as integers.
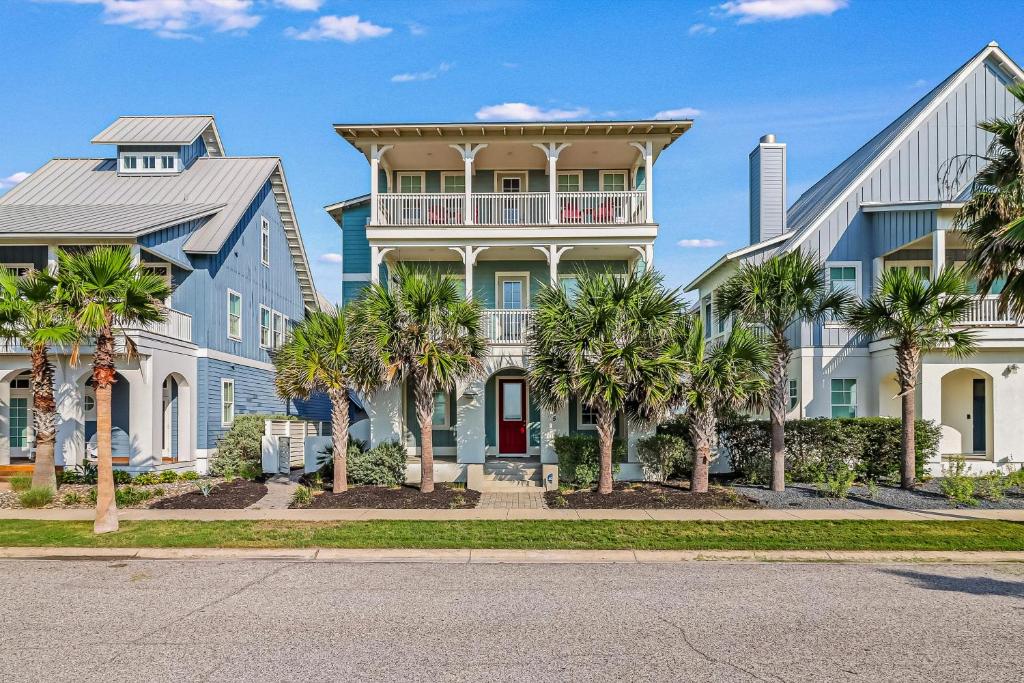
{"x": 551, "y": 151}
{"x": 468, "y": 255}
{"x": 646, "y": 150}
{"x": 51, "y": 257}
{"x": 376, "y": 152}
{"x": 938, "y": 251}
{"x": 646, "y": 252}
{"x": 553, "y": 254}
{"x": 468, "y": 151}
{"x": 877, "y": 269}
{"x": 376, "y": 259}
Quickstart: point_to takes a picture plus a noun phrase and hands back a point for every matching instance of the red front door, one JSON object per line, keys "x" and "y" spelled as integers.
{"x": 511, "y": 417}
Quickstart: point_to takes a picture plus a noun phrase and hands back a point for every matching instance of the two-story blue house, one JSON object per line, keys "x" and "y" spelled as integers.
{"x": 505, "y": 208}
{"x": 222, "y": 230}
{"x": 891, "y": 204}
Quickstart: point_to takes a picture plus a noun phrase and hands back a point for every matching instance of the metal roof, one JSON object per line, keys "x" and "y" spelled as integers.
{"x": 161, "y": 130}
{"x": 106, "y": 219}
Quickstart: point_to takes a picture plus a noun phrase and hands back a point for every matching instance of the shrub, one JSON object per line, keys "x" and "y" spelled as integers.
{"x": 146, "y": 479}
{"x": 956, "y": 484}
{"x": 242, "y": 444}
{"x": 73, "y": 498}
{"x": 126, "y": 496}
{"x": 837, "y": 483}
{"x": 302, "y": 496}
{"x": 816, "y": 447}
{"x": 36, "y": 496}
{"x": 382, "y": 465}
{"x": 205, "y": 488}
{"x": 992, "y": 486}
{"x": 251, "y": 471}
{"x": 21, "y": 482}
{"x": 168, "y": 477}
{"x": 579, "y": 462}
{"x": 190, "y": 475}
{"x": 666, "y": 456}
{"x": 121, "y": 477}
{"x": 83, "y": 473}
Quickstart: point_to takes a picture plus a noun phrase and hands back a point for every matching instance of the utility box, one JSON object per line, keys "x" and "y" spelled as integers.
{"x": 275, "y": 454}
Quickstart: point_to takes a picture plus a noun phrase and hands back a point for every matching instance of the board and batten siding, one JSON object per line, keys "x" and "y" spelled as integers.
{"x": 893, "y": 229}
{"x": 36, "y": 255}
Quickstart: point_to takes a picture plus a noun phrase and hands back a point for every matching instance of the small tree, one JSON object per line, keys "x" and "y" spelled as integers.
{"x": 30, "y": 316}
{"x": 917, "y": 316}
{"x": 717, "y": 378}
{"x": 418, "y": 329}
{"x": 607, "y": 347}
{"x": 318, "y": 357}
{"x": 775, "y": 294}
{"x": 102, "y": 290}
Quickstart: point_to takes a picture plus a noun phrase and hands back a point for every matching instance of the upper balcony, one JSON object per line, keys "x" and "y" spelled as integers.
{"x": 427, "y": 177}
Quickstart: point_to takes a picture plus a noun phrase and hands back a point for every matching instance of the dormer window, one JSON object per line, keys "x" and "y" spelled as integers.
{"x": 130, "y": 163}
{"x": 167, "y": 162}
{"x": 149, "y": 162}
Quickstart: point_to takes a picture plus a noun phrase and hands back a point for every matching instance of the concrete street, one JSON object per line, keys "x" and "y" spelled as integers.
{"x": 166, "y": 620}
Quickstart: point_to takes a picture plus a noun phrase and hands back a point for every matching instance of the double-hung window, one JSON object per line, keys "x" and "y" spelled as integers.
{"x": 708, "y": 316}
{"x": 412, "y": 183}
{"x": 588, "y": 416}
{"x": 794, "y": 394}
{"x": 440, "y": 414}
{"x": 453, "y": 183}
{"x": 278, "y": 330}
{"x": 844, "y": 398}
{"x": 234, "y": 315}
{"x": 265, "y": 327}
{"x": 844, "y": 277}
{"x": 613, "y": 181}
{"x": 167, "y": 162}
{"x": 264, "y": 241}
{"x": 227, "y": 402}
{"x": 129, "y": 163}
{"x": 149, "y": 162}
{"x": 569, "y": 182}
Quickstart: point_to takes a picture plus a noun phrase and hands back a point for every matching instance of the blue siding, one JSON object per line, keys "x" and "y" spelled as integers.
{"x": 893, "y": 229}
{"x": 169, "y": 241}
{"x": 350, "y": 291}
{"x": 36, "y": 255}
{"x": 189, "y": 153}
{"x": 355, "y": 249}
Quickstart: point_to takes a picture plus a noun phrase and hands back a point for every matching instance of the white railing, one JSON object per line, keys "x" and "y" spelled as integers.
{"x": 176, "y": 325}
{"x": 601, "y": 208}
{"x": 421, "y": 209}
{"x": 510, "y": 208}
{"x": 985, "y": 311}
{"x": 507, "y": 325}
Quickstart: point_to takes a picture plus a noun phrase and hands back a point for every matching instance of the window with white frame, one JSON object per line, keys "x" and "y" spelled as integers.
{"x": 588, "y": 416}
{"x": 149, "y": 162}
{"x": 129, "y": 163}
{"x": 167, "y": 162}
{"x": 439, "y": 417}
{"x": 19, "y": 269}
{"x": 453, "y": 183}
{"x": 844, "y": 276}
{"x": 613, "y": 181}
{"x": 570, "y": 285}
{"x": 227, "y": 402}
{"x": 570, "y": 182}
{"x": 265, "y": 327}
{"x": 264, "y": 241}
{"x": 278, "y": 330}
{"x": 794, "y": 394}
{"x": 708, "y": 316}
{"x": 922, "y": 272}
{"x": 844, "y": 398}
{"x": 410, "y": 183}
{"x": 234, "y": 315}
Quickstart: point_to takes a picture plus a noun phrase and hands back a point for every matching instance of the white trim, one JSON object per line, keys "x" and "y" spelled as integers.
{"x": 447, "y": 411}
{"x": 270, "y": 328}
{"x": 625, "y": 179}
{"x": 858, "y": 284}
{"x": 275, "y": 317}
{"x": 922, "y": 116}
{"x": 499, "y": 301}
{"x": 422, "y": 175}
{"x": 855, "y": 397}
{"x": 265, "y": 234}
{"x": 498, "y": 377}
{"x": 355, "y": 277}
{"x": 241, "y": 303}
{"x": 213, "y": 354}
{"x": 139, "y": 153}
{"x": 522, "y": 175}
{"x": 28, "y": 267}
{"x": 453, "y": 174}
{"x": 879, "y": 207}
{"x": 560, "y": 172}
{"x": 581, "y": 426}
{"x": 224, "y": 381}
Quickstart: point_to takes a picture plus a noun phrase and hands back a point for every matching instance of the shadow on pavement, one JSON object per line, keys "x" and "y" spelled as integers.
{"x": 974, "y": 585}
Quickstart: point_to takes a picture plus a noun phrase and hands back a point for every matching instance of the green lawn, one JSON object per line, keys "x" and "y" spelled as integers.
{"x": 596, "y": 535}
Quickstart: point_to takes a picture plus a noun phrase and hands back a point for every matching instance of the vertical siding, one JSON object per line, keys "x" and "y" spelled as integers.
{"x": 169, "y": 241}
{"x": 893, "y": 229}
{"x": 36, "y": 255}
{"x": 189, "y": 153}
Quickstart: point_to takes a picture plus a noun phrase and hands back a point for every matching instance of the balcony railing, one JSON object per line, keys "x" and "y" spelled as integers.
{"x": 985, "y": 312}
{"x": 511, "y": 208}
{"x": 176, "y": 325}
{"x": 507, "y": 326}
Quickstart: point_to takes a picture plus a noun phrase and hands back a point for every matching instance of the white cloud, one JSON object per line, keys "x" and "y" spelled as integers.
{"x": 346, "y": 29}
{"x": 300, "y": 5}
{"x": 428, "y": 75}
{"x": 330, "y": 257}
{"x": 701, "y": 30}
{"x": 12, "y": 180}
{"x": 520, "y": 111}
{"x": 417, "y": 29}
{"x": 175, "y": 18}
{"x": 700, "y": 243}
{"x": 750, "y": 11}
{"x": 681, "y": 113}
{"x": 918, "y": 84}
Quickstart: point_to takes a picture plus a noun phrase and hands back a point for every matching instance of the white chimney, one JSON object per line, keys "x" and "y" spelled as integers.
{"x": 767, "y": 189}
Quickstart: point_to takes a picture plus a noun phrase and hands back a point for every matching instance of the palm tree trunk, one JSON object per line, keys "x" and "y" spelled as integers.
{"x": 906, "y": 372}
{"x": 701, "y": 432}
{"x": 103, "y": 378}
{"x": 605, "y": 438}
{"x": 44, "y": 418}
{"x": 339, "y": 437}
{"x": 423, "y": 395}
{"x": 777, "y": 412}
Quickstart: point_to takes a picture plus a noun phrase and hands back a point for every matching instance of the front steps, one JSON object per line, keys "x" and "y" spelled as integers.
{"x": 507, "y": 476}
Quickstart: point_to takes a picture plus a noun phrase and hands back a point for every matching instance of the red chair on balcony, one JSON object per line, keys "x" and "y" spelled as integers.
{"x": 571, "y": 213}
{"x": 604, "y": 213}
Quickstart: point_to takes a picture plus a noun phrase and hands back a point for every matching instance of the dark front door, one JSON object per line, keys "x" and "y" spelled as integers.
{"x": 980, "y": 415}
{"x": 511, "y": 417}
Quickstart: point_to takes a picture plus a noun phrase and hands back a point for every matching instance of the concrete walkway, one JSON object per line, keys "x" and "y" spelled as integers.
{"x": 531, "y": 499}
{"x": 497, "y": 556}
{"x": 520, "y": 514}
{"x": 280, "y": 491}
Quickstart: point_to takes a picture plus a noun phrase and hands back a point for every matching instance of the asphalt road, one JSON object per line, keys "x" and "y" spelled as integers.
{"x": 261, "y": 620}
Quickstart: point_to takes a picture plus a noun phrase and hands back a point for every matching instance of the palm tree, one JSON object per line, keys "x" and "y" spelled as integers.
{"x": 30, "y": 316}
{"x": 103, "y": 289}
{"x": 775, "y": 294}
{"x": 318, "y": 357}
{"x": 918, "y": 317}
{"x": 717, "y": 378}
{"x": 993, "y": 218}
{"x": 609, "y": 348}
{"x": 418, "y": 329}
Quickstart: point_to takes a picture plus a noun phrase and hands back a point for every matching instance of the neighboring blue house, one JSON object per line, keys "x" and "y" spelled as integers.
{"x": 223, "y": 231}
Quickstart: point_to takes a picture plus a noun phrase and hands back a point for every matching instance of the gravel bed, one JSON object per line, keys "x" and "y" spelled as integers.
{"x": 924, "y": 497}
{"x": 9, "y": 499}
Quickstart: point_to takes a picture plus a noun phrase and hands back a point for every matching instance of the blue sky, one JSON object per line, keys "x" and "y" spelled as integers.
{"x": 824, "y": 75}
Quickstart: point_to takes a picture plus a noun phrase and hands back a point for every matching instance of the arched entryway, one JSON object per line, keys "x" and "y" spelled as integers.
{"x": 173, "y": 421}
{"x": 967, "y": 413}
{"x": 120, "y": 418}
{"x": 18, "y": 435}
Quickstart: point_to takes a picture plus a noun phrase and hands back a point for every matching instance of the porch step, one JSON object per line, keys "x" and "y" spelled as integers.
{"x": 511, "y": 476}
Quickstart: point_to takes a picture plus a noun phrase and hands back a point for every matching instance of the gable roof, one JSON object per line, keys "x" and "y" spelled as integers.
{"x": 335, "y": 210}
{"x": 162, "y": 130}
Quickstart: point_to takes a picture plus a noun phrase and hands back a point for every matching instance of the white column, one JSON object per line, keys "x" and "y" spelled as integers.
{"x": 877, "y": 269}
{"x": 551, "y": 151}
{"x": 51, "y": 257}
{"x": 376, "y": 153}
{"x": 646, "y": 252}
{"x": 468, "y": 255}
{"x": 376, "y": 259}
{"x": 938, "y": 251}
{"x": 553, "y": 254}
{"x": 646, "y": 150}
{"x": 136, "y": 250}
{"x": 468, "y": 152}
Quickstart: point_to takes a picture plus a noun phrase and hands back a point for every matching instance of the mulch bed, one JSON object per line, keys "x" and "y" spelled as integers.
{"x": 233, "y": 495}
{"x": 646, "y": 496}
{"x": 444, "y": 497}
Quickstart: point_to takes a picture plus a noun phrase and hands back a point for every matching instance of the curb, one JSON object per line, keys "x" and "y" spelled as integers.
{"x": 498, "y": 556}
